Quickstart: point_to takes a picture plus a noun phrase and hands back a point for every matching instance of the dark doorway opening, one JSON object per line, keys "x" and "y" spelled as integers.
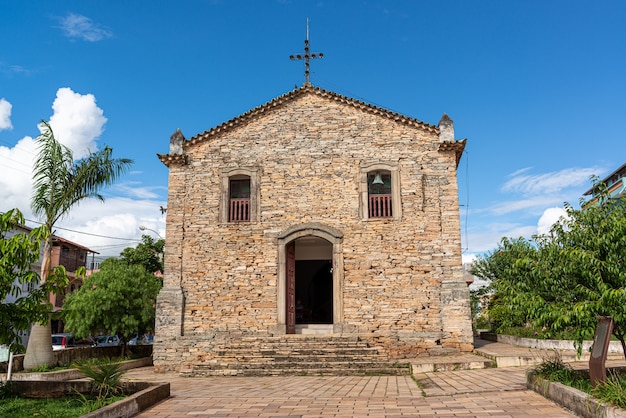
{"x": 314, "y": 292}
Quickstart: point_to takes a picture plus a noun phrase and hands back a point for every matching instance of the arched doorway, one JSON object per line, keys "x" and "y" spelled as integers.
{"x": 313, "y": 280}
{"x": 310, "y": 275}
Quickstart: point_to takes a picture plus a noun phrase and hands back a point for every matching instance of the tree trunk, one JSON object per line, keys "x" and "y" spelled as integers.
{"x": 39, "y": 349}
{"x": 620, "y": 337}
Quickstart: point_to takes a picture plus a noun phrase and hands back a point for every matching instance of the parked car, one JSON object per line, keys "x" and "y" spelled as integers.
{"x": 67, "y": 340}
{"x": 144, "y": 339}
{"x": 107, "y": 340}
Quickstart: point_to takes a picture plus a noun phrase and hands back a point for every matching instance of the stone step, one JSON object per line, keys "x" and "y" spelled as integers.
{"x": 298, "y": 364}
{"x": 301, "y": 351}
{"x": 452, "y": 363}
{"x": 304, "y": 338}
{"x": 301, "y": 369}
{"x": 272, "y": 344}
{"x": 249, "y": 358}
{"x": 297, "y": 354}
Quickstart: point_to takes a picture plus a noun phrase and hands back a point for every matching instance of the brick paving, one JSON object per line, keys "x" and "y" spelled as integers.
{"x": 464, "y": 393}
{"x": 491, "y": 392}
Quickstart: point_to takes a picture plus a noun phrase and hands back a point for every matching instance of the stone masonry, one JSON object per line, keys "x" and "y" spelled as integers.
{"x": 397, "y": 281}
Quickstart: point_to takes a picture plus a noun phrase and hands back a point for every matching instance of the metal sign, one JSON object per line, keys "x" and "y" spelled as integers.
{"x": 601, "y": 340}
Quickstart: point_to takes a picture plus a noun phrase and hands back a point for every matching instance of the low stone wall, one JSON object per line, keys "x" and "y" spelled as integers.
{"x": 70, "y": 374}
{"x": 575, "y": 400}
{"x": 614, "y": 346}
{"x": 69, "y": 355}
{"x": 135, "y": 403}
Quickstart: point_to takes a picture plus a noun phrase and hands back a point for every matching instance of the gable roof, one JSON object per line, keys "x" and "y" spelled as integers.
{"x": 305, "y": 89}
{"x": 621, "y": 172}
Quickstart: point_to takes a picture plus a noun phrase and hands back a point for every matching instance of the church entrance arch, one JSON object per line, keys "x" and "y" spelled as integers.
{"x": 310, "y": 277}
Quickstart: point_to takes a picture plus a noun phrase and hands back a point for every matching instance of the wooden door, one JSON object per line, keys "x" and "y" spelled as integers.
{"x": 290, "y": 250}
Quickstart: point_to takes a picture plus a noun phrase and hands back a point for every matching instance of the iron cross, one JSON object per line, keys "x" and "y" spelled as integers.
{"x": 307, "y": 55}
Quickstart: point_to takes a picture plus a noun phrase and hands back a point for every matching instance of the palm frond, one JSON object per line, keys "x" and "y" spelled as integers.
{"x": 60, "y": 183}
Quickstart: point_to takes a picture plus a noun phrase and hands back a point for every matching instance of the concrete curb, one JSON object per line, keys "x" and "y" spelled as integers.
{"x": 133, "y": 404}
{"x": 615, "y": 347}
{"x": 575, "y": 400}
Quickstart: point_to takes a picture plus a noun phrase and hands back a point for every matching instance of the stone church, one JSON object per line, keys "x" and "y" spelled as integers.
{"x": 312, "y": 220}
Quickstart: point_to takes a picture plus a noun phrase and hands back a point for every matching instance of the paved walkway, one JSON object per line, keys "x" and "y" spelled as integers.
{"x": 494, "y": 392}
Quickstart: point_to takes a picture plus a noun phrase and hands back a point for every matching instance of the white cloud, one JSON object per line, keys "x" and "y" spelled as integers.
{"x": 548, "y": 183}
{"x": 490, "y": 234}
{"x": 77, "y": 121}
{"x": 469, "y": 258}
{"x": 16, "y": 175}
{"x": 133, "y": 189}
{"x": 109, "y": 227}
{"x": 534, "y": 207}
{"x": 550, "y": 217}
{"x": 82, "y": 27}
{"x": 5, "y": 114}
{"x": 534, "y": 204}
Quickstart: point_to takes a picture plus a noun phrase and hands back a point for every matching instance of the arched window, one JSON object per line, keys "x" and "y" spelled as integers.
{"x": 239, "y": 199}
{"x": 380, "y": 191}
{"x": 379, "y": 197}
{"x": 239, "y": 196}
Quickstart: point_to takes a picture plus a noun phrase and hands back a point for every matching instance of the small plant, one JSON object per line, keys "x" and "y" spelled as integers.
{"x": 553, "y": 368}
{"x": 106, "y": 376}
{"x": 45, "y": 369}
{"x": 40, "y": 369}
{"x": 612, "y": 391}
{"x": 7, "y": 391}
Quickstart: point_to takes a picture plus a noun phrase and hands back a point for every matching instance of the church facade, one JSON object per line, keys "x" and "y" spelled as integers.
{"x": 313, "y": 214}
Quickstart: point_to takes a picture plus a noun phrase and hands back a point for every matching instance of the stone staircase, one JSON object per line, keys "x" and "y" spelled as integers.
{"x": 301, "y": 355}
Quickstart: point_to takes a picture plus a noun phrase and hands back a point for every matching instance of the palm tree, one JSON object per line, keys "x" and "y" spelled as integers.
{"x": 60, "y": 183}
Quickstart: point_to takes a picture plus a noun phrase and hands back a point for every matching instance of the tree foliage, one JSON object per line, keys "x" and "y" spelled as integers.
{"x": 119, "y": 299}
{"x": 24, "y": 301}
{"x": 60, "y": 183}
{"x": 149, "y": 253}
{"x": 567, "y": 279}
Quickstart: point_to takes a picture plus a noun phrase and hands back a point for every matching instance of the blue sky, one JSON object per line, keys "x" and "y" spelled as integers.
{"x": 538, "y": 88}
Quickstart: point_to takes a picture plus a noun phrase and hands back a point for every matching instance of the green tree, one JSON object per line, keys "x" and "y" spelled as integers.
{"x": 19, "y": 252}
{"x": 119, "y": 299}
{"x": 149, "y": 253}
{"x": 576, "y": 274}
{"x": 497, "y": 269}
{"x": 60, "y": 183}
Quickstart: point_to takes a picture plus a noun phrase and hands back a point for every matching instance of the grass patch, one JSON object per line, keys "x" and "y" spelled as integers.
{"x": 45, "y": 369}
{"x": 613, "y": 391}
{"x": 106, "y": 388}
{"x": 68, "y": 407}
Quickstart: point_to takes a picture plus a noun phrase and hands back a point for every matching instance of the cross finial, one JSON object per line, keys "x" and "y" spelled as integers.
{"x": 307, "y": 56}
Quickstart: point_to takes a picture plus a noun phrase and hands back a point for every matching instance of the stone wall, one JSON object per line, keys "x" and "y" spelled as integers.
{"x": 402, "y": 281}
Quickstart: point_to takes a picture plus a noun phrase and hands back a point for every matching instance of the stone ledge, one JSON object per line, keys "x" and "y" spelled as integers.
{"x": 614, "y": 346}
{"x": 134, "y": 403}
{"x": 572, "y": 399}
{"x": 71, "y": 374}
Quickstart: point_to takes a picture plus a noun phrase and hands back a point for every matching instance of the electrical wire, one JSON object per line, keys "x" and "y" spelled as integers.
{"x": 86, "y": 233}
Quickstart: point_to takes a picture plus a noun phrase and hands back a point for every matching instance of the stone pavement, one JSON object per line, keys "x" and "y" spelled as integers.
{"x": 491, "y": 392}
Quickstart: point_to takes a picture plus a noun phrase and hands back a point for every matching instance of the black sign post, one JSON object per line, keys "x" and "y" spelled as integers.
{"x": 601, "y": 340}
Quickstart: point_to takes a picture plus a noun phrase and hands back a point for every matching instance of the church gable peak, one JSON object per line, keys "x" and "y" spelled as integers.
{"x": 297, "y": 92}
